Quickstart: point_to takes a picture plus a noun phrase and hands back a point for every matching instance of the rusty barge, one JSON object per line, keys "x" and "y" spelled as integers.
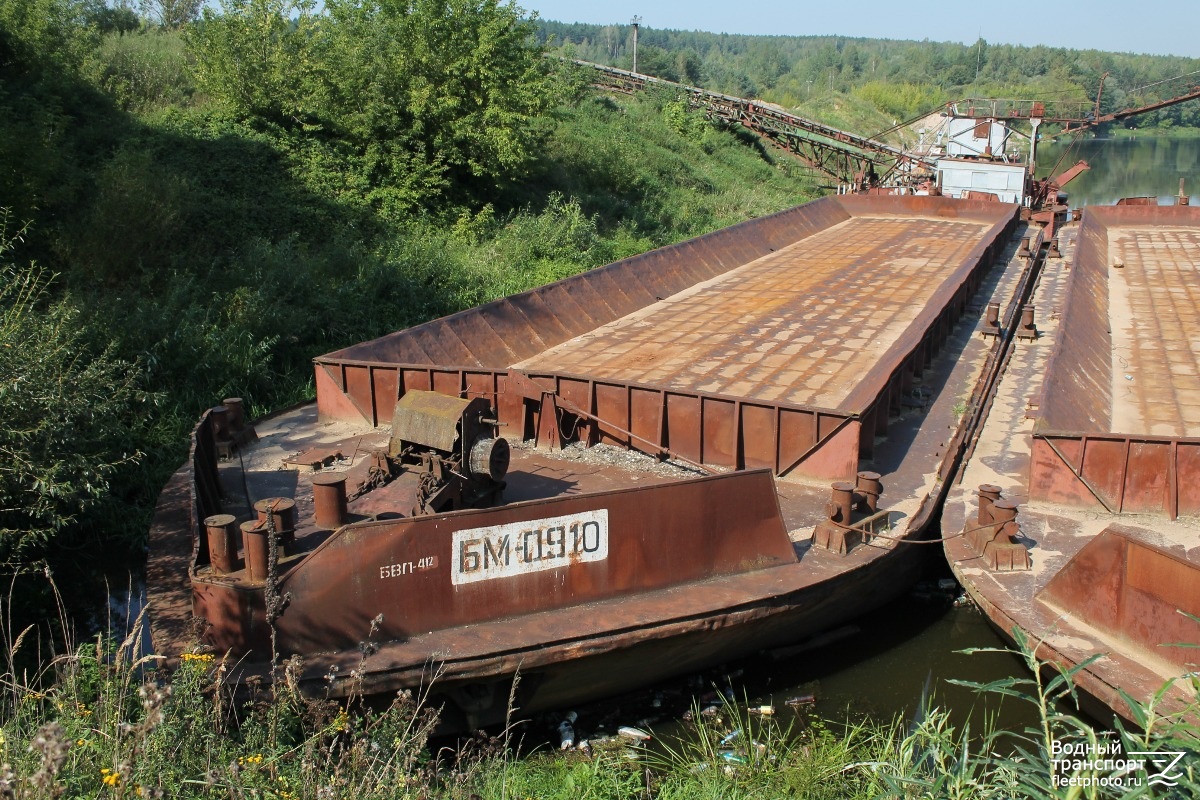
{"x": 1075, "y": 523}
{"x": 677, "y": 459}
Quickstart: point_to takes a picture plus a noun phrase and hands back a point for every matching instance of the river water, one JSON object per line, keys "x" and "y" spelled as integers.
{"x": 1122, "y": 166}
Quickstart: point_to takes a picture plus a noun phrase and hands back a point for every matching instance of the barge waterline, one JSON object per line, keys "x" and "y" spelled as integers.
{"x": 593, "y": 577}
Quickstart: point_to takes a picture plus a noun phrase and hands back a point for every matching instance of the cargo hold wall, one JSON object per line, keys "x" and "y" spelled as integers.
{"x": 766, "y": 399}
{"x": 1120, "y": 415}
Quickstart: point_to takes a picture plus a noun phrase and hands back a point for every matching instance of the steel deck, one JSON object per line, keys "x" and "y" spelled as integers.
{"x": 1092, "y": 432}
{"x": 801, "y": 325}
{"x": 785, "y": 342}
{"x": 1154, "y": 311}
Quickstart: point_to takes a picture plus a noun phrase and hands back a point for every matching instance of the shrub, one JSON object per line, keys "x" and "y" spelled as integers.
{"x": 66, "y": 411}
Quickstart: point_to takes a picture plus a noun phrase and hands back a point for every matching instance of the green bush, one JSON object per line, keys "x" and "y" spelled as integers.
{"x": 68, "y": 412}
{"x": 143, "y": 71}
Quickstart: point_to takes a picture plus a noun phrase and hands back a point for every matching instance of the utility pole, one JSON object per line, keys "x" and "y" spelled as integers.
{"x": 635, "y": 22}
{"x": 978, "y": 54}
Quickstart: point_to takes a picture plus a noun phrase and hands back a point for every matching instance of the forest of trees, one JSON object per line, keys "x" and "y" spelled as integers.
{"x": 902, "y": 78}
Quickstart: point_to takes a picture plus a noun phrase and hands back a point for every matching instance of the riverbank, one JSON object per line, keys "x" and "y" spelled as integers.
{"x": 98, "y": 721}
{"x": 1148, "y": 133}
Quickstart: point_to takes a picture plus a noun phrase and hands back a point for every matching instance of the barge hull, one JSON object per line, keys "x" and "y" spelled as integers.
{"x": 753, "y": 367}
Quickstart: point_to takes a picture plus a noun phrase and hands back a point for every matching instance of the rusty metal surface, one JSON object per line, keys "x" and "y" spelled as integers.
{"x": 1154, "y": 310}
{"x": 836, "y": 308}
{"x": 500, "y": 333}
{"x": 1099, "y": 581}
{"x": 1135, "y": 274}
{"x": 1120, "y": 415}
{"x": 700, "y": 567}
{"x": 506, "y": 331}
{"x": 427, "y": 419}
{"x": 441, "y": 571}
{"x": 670, "y": 581}
{"x": 1139, "y": 592}
{"x": 801, "y": 325}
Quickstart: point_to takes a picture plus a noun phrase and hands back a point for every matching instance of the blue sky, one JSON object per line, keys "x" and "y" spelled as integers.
{"x": 1162, "y": 27}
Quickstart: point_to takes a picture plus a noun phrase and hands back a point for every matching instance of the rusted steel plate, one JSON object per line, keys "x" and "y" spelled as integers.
{"x": 660, "y": 273}
{"x": 1135, "y": 591}
{"x": 430, "y": 420}
{"x": 385, "y": 388}
{"x": 801, "y": 325}
{"x": 1154, "y": 311}
{"x": 1121, "y": 408}
{"x": 822, "y": 306}
{"x": 1135, "y": 275}
{"x": 428, "y": 573}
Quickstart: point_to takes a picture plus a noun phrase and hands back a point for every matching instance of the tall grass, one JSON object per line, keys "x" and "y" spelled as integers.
{"x": 102, "y": 718}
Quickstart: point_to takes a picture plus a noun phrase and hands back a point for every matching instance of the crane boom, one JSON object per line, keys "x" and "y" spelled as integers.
{"x": 1074, "y": 127}
{"x": 854, "y": 161}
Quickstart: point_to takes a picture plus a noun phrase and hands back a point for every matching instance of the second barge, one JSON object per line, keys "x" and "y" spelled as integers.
{"x": 1076, "y": 519}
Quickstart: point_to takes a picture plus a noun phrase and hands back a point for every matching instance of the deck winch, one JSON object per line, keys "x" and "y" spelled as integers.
{"x": 453, "y": 444}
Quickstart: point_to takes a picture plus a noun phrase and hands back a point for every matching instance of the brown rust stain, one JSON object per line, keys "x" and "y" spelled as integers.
{"x": 1156, "y": 330}
{"x": 1129, "y": 359}
{"x": 801, "y": 325}
{"x": 1138, "y": 593}
{"x": 1121, "y": 412}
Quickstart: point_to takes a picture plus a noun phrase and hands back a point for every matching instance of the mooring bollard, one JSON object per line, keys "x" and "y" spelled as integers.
{"x": 222, "y": 549}
{"x": 329, "y": 500}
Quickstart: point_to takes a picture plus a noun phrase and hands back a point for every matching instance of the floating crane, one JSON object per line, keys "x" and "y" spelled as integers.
{"x": 970, "y": 157}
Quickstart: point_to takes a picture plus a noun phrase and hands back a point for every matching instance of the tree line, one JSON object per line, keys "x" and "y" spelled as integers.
{"x": 902, "y": 78}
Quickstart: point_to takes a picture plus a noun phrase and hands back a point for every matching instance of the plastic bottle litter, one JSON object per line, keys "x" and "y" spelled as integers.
{"x": 762, "y": 711}
{"x": 566, "y": 735}
{"x": 636, "y": 734}
{"x": 806, "y": 699}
